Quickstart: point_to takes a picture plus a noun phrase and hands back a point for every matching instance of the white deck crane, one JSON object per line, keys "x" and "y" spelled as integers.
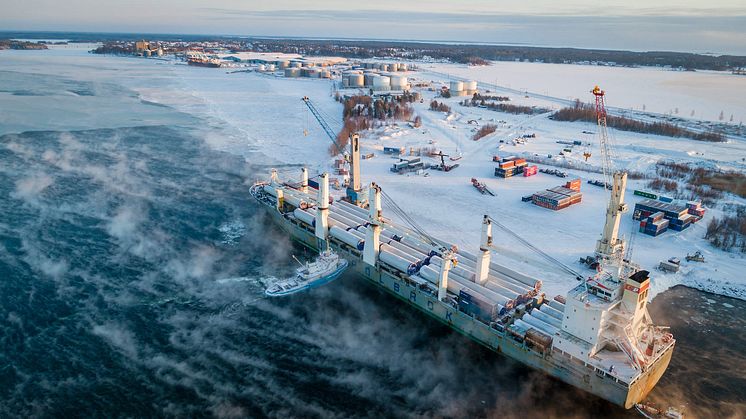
{"x": 610, "y": 246}
{"x": 354, "y": 191}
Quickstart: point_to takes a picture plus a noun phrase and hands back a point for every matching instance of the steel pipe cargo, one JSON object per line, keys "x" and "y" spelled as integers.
{"x": 347, "y": 238}
{"x": 546, "y": 308}
{"x": 305, "y": 217}
{"x": 397, "y": 262}
{"x": 546, "y": 318}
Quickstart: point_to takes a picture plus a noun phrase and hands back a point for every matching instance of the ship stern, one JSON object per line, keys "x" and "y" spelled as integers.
{"x": 640, "y": 389}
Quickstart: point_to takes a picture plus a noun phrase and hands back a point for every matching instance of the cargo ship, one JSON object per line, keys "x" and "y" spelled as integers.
{"x": 599, "y": 337}
{"x": 202, "y": 60}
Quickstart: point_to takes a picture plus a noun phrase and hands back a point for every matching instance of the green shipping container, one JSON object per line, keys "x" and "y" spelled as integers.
{"x": 645, "y": 194}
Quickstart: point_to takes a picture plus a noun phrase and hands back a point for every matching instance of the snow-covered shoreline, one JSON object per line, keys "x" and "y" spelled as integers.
{"x": 248, "y": 107}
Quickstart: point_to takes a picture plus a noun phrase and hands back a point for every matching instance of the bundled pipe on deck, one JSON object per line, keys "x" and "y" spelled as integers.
{"x": 543, "y": 328}
{"x": 469, "y": 276}
{"x": 413, "y": 259}
{"x": 546, "y": 318}
{"x": 404, "y": 248}
{"x": 344, "y": 220}
{"x": 349, "y": 214}
{"x": 386, "y": 233}
{"x": 557, "y": 305}
{"x": 501, "y": 279}
{"x": 546, "y": 308}
{"x": 419, "y": 245}
{"x": 346, "y": 206}
{"x": 335, "y": 220}
{"x": 345, "y": 237}
{"x": 456, "y": 283}
{"x": 356, "y": 233}
{"x": 305, "y": 216}
{"x": 397, "y": 262}
{"x": 538, "y": 324}
{"x": 502, "y": 271}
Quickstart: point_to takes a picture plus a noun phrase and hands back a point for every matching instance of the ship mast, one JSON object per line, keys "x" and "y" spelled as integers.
{"x": 610, "y": 246}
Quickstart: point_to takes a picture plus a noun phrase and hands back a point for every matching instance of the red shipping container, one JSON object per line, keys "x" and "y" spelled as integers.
{"x": 507, "y": 164}
{"x": 573, "y": 184}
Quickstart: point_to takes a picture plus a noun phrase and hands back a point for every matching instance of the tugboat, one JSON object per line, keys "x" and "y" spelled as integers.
{"x": 326, "y": 268}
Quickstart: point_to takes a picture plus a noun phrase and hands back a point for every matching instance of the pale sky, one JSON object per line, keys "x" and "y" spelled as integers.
{"x": 695, "y": 26}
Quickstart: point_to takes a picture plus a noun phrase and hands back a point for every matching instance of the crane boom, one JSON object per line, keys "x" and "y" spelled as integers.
{"x": 354, "y": 191}
{"x": 324, "y": 125}
{"x": 610, "y": 246}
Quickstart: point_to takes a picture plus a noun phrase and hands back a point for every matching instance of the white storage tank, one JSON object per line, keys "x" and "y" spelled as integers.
{"x": 457, "y": 87}
{"x": 381, "y": 83}
{"x": 292, "y": 72}
{"x": 260, "y": 67}
{"x": 326, "y": 74}
{"x": 402, "y": 67}
{"x": 399, "y": 83}
{"x": 296, "y": 64}
{"x": 393, "y": 67}
{"x": 356, "y": 80}
{"x": 346, "y": 81}
{"x": 470, "y": 87}
{"x": 314, "y": 73}
{"x": 283, "y": 64}
{"x": 270, "y": 67}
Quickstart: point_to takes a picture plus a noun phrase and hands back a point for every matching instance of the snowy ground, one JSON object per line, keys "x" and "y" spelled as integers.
{"x": 265, "y": 113}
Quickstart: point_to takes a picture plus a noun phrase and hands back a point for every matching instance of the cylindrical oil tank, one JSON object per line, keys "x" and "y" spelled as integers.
{"x": 397, "y": 262}
{"x": 402, "y": 66}
{"x": 296, "y": 64}
{"x": 394, "y": 67}
{"x": 399, "y": 82}
{"x": 271, "y": 67}
{"x": 345, "y": 82}
{"x": 314, "y": 73}
{"x": 326, "y": 74}
{"x": 356, "y": 80}
{"x": 382, "y": 83}
{"x": 292, "y": 72}
{"x": 347, "y": 238}
{"x": 457, "y": 87}
{"x": 305, "y": 217}
{"x": 368, "y": 78}
{"x": 470, "y": 85}
{"x": 384, "y": 67}
{"x": 283, "y": 64}
{"x": 260, "y": 67}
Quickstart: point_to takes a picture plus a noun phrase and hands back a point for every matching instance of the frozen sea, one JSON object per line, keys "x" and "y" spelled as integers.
{"x": 132, "y": 259}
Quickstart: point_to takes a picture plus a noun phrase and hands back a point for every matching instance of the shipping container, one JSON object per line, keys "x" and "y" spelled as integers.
{"x": 645, "y": 194}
